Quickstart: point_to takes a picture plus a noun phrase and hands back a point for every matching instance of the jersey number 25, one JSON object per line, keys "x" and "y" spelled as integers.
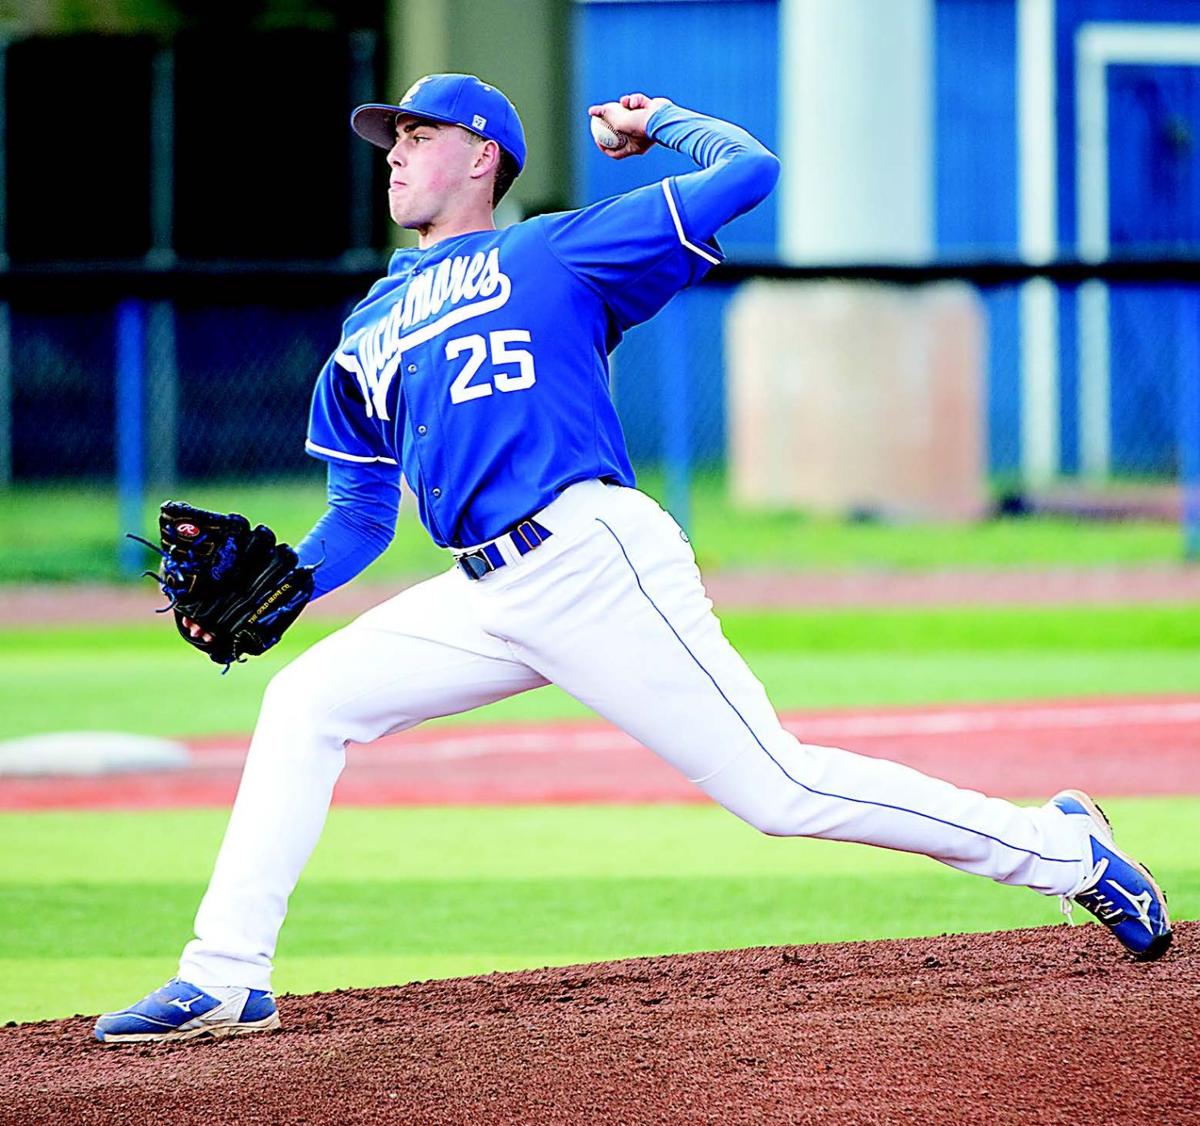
{"x": 462, "y": 390}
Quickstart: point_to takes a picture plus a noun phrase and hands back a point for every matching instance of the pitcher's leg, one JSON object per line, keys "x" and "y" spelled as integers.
{"x": 640, "y": 645}
{"x": 364, "y": 681}
{"x": 788, "y": 788}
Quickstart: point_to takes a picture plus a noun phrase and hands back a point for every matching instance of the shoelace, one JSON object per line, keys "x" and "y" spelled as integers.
{"x": 1105, "y": 909}
{"x": 1066, "y": 903}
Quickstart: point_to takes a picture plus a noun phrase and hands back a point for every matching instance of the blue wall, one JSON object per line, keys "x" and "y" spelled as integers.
{"x": 975, "y": 178}
{"x": 1155, "y": 202}
{"x": 1150, "y": 211}
{"x": 975, "y": 128}
{"x": 1072, "y": 13}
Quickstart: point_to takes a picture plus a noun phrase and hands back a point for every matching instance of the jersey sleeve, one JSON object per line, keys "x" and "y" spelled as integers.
{"x": 339, "y": 426}
{"x": 634, "y": 249}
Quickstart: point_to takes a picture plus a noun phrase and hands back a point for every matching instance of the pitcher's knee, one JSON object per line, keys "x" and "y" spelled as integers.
{"x": 297, "y": 696}
{"x": 769, "y": 784}
{"x": 771, "y": 815}
{"x": 777, "y": 823}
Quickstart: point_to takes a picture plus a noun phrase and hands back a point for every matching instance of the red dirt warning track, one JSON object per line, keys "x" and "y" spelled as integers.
{"x": 1133, "y": 747}
{"x": 1040, "y": 1026}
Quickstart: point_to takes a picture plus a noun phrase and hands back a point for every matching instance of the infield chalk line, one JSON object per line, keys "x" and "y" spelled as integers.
{"x": 570, "y": 738}
{"x": 551, "y": 741}
{"x": 952, "y": 722}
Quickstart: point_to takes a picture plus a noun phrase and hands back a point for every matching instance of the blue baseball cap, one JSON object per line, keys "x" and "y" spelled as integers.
{"x": 455, "y": 99}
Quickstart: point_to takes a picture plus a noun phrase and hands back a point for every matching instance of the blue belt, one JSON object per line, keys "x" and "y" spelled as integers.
{"x": 527, "y": 535}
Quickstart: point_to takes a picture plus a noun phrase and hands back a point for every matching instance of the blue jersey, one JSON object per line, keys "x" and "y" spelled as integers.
{"x": 479, "y": 366}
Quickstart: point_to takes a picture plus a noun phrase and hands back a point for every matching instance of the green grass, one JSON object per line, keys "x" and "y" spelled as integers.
{"x": 61, "y": 533}
{"x": 141, "y": 678}
{"x": 399, "y": 894}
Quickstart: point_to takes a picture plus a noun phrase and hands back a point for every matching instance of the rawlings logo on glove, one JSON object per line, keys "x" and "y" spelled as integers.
{"x": 242, "y": 587}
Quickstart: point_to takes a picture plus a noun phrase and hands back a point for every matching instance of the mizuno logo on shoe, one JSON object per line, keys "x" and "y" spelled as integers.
{"x": 186, "y": 1006}
{"x": 1101, "y": 906}
{"x": 1141, "y": 903}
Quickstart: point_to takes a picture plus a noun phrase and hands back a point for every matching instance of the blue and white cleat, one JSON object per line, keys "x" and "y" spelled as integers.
{"x": 181, "y": 1011}
{"x": 1118, "y": 890}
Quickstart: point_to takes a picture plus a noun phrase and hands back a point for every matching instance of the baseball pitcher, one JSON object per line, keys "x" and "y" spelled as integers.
{"x": 477, "y": 368}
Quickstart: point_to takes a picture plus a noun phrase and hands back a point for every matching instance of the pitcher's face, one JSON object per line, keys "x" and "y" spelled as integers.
{"x": 430, "y": 169}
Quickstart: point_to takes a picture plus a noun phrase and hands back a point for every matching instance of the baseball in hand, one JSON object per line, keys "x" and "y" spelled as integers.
{"x": 607, "y": 137}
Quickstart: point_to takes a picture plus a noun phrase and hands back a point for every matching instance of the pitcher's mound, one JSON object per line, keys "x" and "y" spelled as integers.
{"x": 1047, "y": 1025}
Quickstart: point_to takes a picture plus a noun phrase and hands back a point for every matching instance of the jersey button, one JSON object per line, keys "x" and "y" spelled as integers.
{"x": 412, "y": 368}
{"x": 436, "y": 492}
{"x": 422, "y": 429}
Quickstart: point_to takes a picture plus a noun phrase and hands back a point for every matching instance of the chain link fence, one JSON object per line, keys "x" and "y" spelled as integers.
{"x": 1114, "y": 400}
{"x": 228, "y": 361}
{"x": 224, "y": 388}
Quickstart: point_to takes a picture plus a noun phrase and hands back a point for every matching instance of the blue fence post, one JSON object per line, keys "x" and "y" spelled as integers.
{"x": 1189, "y": 420}
{"x": 130, "y": 427}
{"x": 676, "y": 409}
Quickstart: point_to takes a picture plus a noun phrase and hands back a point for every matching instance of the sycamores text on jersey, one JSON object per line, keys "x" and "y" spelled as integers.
{"x": 373, "y": 354}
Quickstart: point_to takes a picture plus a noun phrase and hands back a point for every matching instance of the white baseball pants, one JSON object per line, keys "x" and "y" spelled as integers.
{"x": 611, "y": 609}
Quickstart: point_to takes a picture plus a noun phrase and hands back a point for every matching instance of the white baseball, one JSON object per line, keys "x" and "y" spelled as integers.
{"x": 606, "y": 136}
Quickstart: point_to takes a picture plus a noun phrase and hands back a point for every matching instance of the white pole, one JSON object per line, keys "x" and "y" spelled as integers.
{"x": 856, "y": 130}
{"x": 1037, "y": 164}
{"x": 1095, "y": 377}
{"x": 1091, "y": 179}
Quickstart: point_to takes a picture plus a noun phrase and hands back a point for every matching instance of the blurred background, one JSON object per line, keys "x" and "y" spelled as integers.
{"x": 973, "y": 296}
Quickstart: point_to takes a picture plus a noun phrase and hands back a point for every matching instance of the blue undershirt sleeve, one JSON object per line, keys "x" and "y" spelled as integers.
{"x": 358, "y": 525}
{"x": 737, "y": 172}
{"x": 639, "y": 249}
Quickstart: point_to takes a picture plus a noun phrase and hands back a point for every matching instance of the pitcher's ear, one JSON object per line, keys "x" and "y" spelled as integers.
{"x": 487, "y": 159}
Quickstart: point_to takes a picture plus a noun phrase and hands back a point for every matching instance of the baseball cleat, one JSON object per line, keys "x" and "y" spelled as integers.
{"x": 1118, "y": 890}
{"x": 182, "y": 1011}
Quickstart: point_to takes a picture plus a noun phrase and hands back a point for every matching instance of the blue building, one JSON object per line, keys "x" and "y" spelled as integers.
{"x": 921, "y": 130}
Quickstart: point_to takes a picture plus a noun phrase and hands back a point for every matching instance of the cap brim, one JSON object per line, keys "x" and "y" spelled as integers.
{"x": 377, "y": 123}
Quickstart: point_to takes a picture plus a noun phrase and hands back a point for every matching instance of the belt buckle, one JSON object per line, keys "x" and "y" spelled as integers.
{"x": 527, "y": 535}
{"x": 475, "y": 565}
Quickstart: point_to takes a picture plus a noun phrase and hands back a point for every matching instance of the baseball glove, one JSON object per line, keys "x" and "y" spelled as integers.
{"x": 236, "y": 582}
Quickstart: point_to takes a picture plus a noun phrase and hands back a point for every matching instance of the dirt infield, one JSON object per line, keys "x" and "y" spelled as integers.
{"x": 1047, "y": 1025}
{"x": 1014, "y": 750}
